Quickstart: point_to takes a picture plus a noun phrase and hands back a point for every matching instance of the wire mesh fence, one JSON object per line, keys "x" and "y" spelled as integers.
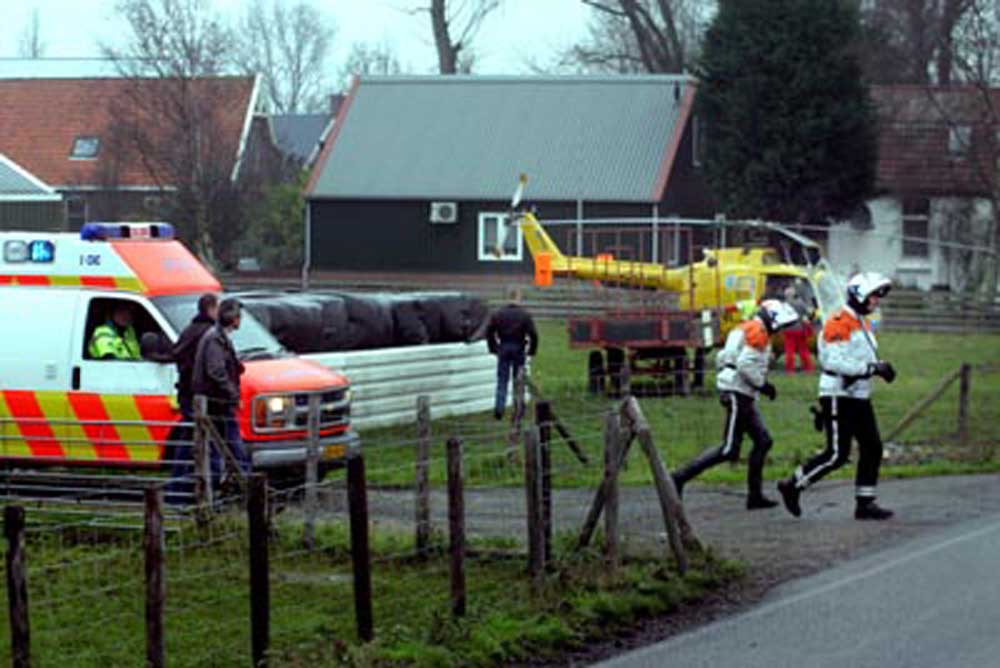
{"x": 87, "y": 556}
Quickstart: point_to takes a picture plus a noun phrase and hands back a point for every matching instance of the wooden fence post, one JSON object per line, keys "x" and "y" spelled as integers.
{"x": 543, "y": 419}
{"x": 533, "y": 505}
{"x": 965, "y": 380}
{"x": 456, "y": 527}
{"x": 17, "y": 587}
{"x": 611, "y": 452}
{"x": 917, "y": 410}
{"x": 202, "y": 455}
{"x": 597, "y": 506}
{"x": 155, "y": 580}
{"x": 357, "y": 501}
{"x": 260, "y": 582}
{"x": 679, "y": 532}
{"x": 312, "y": 472}
{"x": 423, "y": 500}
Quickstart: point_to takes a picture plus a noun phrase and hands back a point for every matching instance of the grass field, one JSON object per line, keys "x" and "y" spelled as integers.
{"x": 86, "y": 582}
{"x": 683, "y": 426}
{"x": 86, "y": 600}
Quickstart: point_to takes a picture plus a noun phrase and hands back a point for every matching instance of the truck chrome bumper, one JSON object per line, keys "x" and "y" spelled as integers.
{"x": 280, "y": 454}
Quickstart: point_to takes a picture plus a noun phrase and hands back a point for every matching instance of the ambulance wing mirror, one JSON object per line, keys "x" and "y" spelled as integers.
{"x": 156, "y": 347}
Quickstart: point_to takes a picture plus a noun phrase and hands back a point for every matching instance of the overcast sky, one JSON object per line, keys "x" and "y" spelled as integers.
{"x": 520, "y": 31}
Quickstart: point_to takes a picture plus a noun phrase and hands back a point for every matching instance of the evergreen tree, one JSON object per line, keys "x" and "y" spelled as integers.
{"x": 791, "y": 131}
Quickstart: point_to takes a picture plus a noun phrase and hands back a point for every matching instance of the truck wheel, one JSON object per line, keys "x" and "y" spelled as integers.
{"x": 595, "y": 372}
{"x": 616, "y": 363}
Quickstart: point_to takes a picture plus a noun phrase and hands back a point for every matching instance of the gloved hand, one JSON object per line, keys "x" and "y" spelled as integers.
{"x": 883, "y": 369}
{"x": 769, "y": 391}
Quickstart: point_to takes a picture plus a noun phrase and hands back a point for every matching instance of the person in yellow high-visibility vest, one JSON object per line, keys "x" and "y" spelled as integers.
{"x": 116, "y": 338}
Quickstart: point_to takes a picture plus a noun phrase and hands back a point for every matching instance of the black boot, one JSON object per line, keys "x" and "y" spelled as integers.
{"x": 760, "y": 502}
{"x": 755, "y": 479}
{"x": 867, "y": 509}
{"x": 695, "y": 467}
{"x": 790, "y": 495}
{"x": 678, "y": 485}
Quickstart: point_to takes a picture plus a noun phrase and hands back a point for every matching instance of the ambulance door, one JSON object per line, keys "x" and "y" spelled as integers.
{"x": 35, "y": 327}
{"x": 130, "y": 403}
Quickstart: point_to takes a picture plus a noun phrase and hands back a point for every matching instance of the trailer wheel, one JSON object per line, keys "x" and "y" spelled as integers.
{"x": 616, "y": 363}
{"x": 595, "y": 372}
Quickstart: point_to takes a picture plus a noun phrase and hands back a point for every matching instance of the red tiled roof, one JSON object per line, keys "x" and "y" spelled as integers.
{"x": 914, "y": 125}
{"x": 41, "y": 118}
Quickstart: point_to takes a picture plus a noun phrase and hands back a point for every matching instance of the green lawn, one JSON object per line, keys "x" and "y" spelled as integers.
{"x": 86, "y": 600}
{"x": 682, "y": 426}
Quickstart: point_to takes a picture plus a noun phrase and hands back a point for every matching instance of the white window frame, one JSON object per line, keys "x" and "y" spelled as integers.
{"x": 82, "y": 140}
{"x": 499, "y": 219}
{"x": 924, "y": 218}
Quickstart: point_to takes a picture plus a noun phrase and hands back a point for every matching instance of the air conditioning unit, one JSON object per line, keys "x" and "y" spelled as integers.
{"x": 444, "y": 212}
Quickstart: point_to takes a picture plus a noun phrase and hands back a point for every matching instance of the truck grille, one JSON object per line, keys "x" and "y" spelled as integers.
{"x": 334, "y": 408}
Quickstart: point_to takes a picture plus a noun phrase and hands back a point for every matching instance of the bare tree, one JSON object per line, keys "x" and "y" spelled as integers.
{"x": 454, "y": 26}
{"x": 172, "y": 118}
{"x": 640, "y": 36}
{"x": 288, "y": 46}
{"x": 911, "y": 41}
{"x": 31, "y": 44}
{"x": 367, "y": 59}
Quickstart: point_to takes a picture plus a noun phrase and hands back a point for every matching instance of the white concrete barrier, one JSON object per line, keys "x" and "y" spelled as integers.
{"x": 459, "y": 378}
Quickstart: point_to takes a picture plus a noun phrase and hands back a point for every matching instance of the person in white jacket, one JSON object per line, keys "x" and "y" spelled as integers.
{"x": 742, "y": 367}
{"x": 848, "y": 356}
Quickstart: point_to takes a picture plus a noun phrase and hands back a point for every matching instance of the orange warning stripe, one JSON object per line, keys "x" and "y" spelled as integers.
{"x": 104, "y": 437}
{"x": 27, "y": 432}
{"x": 37, "y": 434}
{"x": 126, "y": 283}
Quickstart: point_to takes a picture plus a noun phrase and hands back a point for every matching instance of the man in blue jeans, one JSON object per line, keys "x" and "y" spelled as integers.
{"x": 510, "y": 334}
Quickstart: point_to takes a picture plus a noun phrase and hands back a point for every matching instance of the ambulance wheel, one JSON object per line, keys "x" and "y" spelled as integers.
{"x": 595, "y": 372}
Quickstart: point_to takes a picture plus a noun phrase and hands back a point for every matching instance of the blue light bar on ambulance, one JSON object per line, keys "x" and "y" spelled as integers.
{"x": 105, "y": 231}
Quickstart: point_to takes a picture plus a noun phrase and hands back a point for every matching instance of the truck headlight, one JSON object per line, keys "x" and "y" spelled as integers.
{"x": 273, "y": 412}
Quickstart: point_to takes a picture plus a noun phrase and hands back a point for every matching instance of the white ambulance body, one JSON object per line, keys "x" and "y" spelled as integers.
{"x": 60, "y": 406}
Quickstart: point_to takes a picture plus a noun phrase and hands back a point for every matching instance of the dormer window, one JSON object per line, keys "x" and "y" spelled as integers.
{"x": 85, "y": 148}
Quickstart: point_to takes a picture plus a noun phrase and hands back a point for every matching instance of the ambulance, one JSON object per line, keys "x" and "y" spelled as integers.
{"x": 59, "y": 406}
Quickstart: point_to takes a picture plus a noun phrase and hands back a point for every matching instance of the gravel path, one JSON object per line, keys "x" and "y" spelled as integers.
{"x": 775, "y": 546}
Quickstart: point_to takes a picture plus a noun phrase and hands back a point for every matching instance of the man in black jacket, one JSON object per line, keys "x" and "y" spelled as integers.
{"x": 216, "y": 374}
{"x": 510, "y": 330}
{"x": 183, "y": 354}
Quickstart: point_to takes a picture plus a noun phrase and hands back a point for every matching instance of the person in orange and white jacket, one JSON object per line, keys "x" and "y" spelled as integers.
{"x": 848, "y": 355}
{"x": 742, "y": 375}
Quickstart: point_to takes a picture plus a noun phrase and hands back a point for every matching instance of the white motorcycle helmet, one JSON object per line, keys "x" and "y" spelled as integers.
{"x": 777, "y": 315}
{"x": 862, "y": 286}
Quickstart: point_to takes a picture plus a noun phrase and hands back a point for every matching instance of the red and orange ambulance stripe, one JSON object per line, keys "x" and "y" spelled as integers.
{"x": 82, "y": 426}
{"x": 127, "y": 283}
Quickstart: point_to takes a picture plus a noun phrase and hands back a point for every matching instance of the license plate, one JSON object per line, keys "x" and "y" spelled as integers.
{"x": 334, "y": 451}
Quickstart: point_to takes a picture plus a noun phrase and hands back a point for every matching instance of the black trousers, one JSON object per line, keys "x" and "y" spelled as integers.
{"x": 846, "y": 420}
{"x": 742, "y": 418}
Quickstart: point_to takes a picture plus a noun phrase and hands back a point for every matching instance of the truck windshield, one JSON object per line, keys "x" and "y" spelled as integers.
{"x": 251, "y": 340}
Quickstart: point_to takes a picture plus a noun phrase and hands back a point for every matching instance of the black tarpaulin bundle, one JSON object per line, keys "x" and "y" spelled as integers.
{"x": 308, "y": 322}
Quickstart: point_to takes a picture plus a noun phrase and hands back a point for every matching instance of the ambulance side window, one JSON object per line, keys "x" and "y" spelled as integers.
{"x": 121, "y": 314}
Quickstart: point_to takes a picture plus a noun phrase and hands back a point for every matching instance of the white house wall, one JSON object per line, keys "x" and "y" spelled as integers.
{"x": 880, "y": 248}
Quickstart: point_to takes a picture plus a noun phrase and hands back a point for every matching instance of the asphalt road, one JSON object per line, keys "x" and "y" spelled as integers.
{"x": 928, "y": 603}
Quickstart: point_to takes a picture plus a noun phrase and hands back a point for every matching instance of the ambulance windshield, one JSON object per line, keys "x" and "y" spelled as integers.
{"x": 252, "y": 340}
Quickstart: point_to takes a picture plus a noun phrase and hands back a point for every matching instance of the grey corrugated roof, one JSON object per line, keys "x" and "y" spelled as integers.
{"x": 466, "y": 137}
{"x": 298, "y": 134}
{"x": 15, "y": 181}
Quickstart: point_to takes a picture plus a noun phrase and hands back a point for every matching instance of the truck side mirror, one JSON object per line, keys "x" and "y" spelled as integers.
{"x": 155, "y": 347}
